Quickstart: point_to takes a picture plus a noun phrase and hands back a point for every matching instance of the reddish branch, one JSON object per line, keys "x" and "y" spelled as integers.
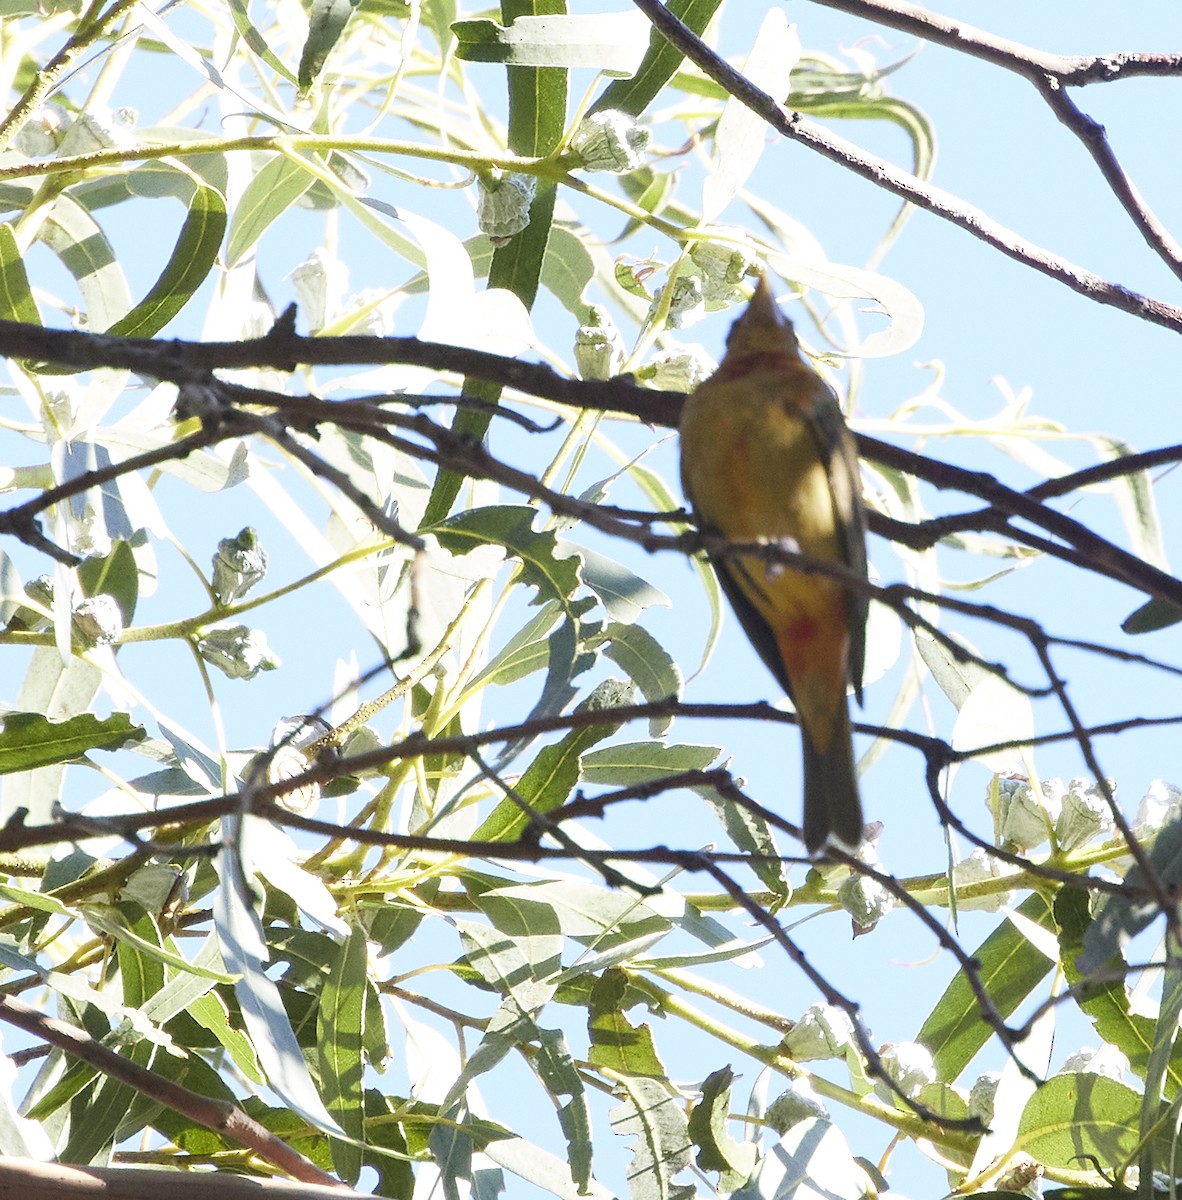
{"x": 219, "y": 1115}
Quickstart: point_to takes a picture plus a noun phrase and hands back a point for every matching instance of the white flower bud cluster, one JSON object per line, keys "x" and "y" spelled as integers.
{"x": 610, "y": 141}
{"x": 823, "y": 1032}
{"x": 238, "y": 565}
{"x": 599, "y": 348}
{"x": 237, "y": 651}
{"x": 503, "y": 208}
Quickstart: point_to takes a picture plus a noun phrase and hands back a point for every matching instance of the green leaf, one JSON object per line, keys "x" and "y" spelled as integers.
{"x": 115, "y": 575}
{"x": 188, "y": 266}
{"x": 29, "y": 740}
{"x": 240, "y": 933}
{"x": 622, "y": 592}
{"x": 537, "y": 123}
{"x": 1119, "y": 918}
{"x": 527, "y": 651}
{"x": 340, "y": 1019}
{"x": 326, "y": 23}
{"x": 16, "y": 297}
{"x": 659, "y": 64}
{"x": 631, "y": 763}
{"x": 609, "y": 42}
{"x": 275, "y": 187}
{"x": 552, "y": 776}
{"x": 648, "y": 664}
{"x": 616, "y": 1044}
{"x": 77, "y": 239}
{"x": 568, "y": 267}
{"x": 1104, "y": 998}
{"x": 1010, "y": 968}
{"x": 652, "y": 1114}
{"x": 717, "y": 1150}
{"x": 103, "y": 919}
{"x": 1153, "y": 615}
{"x": 1078, "y": 1114}
{"x": 255, "y": 41}
{"x": 554, "y": 574}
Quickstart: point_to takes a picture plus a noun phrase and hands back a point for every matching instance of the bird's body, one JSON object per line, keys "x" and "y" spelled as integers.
{"x": 766, "y": 457}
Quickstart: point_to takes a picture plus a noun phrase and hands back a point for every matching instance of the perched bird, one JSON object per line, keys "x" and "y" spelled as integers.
{"x": 766, "y": 457}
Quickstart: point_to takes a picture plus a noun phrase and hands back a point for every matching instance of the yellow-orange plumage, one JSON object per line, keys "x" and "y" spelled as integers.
{"x": 767, "y": 457}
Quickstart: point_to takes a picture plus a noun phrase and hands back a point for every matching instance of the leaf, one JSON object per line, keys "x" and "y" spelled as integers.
{"x": 103, "y": 920}
{"x": 16, "y": 297}
{"x": 1153, "y": 615}
{"x": 1010, "y": 968}
{"x": 622, "y": 592}
{"x": 631, "y": 763}
{"x": 717, "y": 1150}
{"x": 994, "y": 712}
{"x": 660, "y": 63}
{"x": 742, "y": 134}
{"x": 115, "y": 575}
{"x": 77, "y": 239}
{"x": 326, "y": 22}
{"x": 616, "y": 1044}
{"x": 568, "y": 267}
{"x": 549, "y": 780}
{"x": 546, "y": 564}
{"x": 275, "y": 187}
{"x": 255, "y": 41}
{"x": 651, "y": 1114}
{"x": 648, "y": 664}
{"x": 1104, "y": 999}
{"x": 340, "y": 1019}
{"x": 608, "y": 42}
{"x": 1120, "y": 917}
{"x": 244, "y": 949}
{"x": 188, "y": 266}
{"x": 537, "y": 125}
{"x": 527, "y": 651}
{"x": 29, "y": 740}
{"x": 1076, "y": 1114}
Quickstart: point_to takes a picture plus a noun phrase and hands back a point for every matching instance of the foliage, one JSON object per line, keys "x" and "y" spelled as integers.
{"x": 423, "y": 932}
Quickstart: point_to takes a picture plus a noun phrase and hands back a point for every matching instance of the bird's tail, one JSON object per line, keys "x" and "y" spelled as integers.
{"x": 831, "y": 803}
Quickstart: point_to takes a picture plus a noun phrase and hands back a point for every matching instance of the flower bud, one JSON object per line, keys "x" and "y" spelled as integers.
{"x": 610, "y": 141}
{"x": 503, "y": 207}
{"x": 98, "y": 620}
{"x": 982, "y": 1095}
{"x": 865, "y": 899}
{"x": 1086, "y": 815}
{"x": 723, "y": 269}
{"x": 823, "y": 1032}
{"x": 1158, "y": 806}
{"x": 239, "y": 652}
{"x": 798, "y": 1103}
{"x": 237, "y": 566}
{"x": 910, "y": 1065}
{"x": 678, "y": 368}
{"x": 978, "y": 867}
{"x": 599, "y": 349}
{"x": 1024, "y": 817}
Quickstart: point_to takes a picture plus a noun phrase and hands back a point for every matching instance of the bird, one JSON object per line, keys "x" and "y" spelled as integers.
{"x": 766, "y": 457}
